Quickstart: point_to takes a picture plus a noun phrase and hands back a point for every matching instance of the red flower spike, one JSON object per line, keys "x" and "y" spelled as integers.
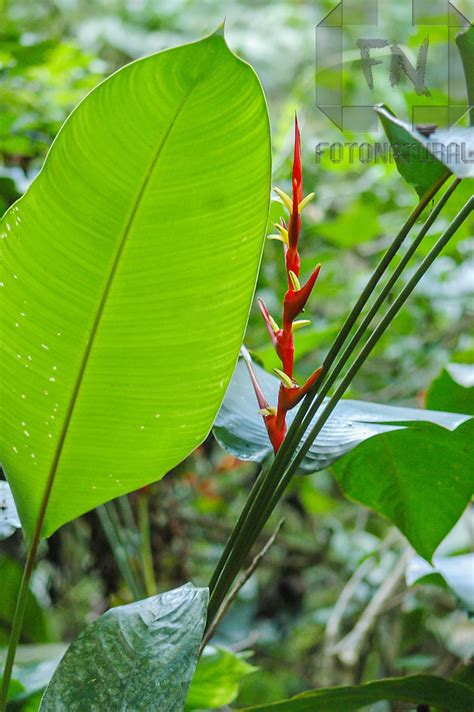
{"x": 288, "y": 398}
{"x": 276, "y": 430}
{"x": 293, "y": 262}
{"x": 295, "y": 301}
{"x": 297, "y": 174}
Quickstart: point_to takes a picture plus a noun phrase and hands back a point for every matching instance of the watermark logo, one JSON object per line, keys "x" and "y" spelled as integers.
{"x": 363, "y": 58}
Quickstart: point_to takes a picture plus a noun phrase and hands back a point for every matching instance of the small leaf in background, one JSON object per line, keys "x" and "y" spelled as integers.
{"x": 415, "y": 164}
{"x": 412, "y": 465}
{"x": 127, "y": 278}
{"x": 217, "y": 679}
{"x": 418, "y": 689}
{"x": 453, "y": 389}
{"x": 138, "y": 657}
{"x": 422, "y": 160}
{"x": 35, "y": 628}
{"x": 465, "y": 43}
{"x": 9, "y": 519}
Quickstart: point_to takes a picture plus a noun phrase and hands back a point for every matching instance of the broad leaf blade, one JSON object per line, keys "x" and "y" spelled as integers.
{"x": 418, "y": 689}
{"x": 128, "y": 272}
{"x": 420, "y": 479}
{"x": 136, "y": 657}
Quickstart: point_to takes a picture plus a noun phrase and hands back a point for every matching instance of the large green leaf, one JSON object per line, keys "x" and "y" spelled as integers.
{"x": 217, "y": 679}
{"x": 128, "y": 272}
{"x": 411, "y": 465}
{"x": 138, "y": 657}
{"x": 419, "y": 689}
{"x": 423, "y": 160}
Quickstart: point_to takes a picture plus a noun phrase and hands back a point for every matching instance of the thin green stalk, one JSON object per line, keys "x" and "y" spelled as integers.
{"x": 127, "y": 514}
{"x": 112, "y": 532}
{"x": 145, "y": 543}
{"x": 264, "y": 504}
{"x": 130, "y": 535}
{"x": 18, "y": 620}
{"x": 289, "y": 443}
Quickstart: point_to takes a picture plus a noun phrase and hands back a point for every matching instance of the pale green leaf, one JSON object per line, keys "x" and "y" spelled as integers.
{"x": 128, "y": 271}
{"x": 217, "y": 679}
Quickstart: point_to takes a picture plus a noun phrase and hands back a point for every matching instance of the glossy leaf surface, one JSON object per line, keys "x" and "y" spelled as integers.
{"x": 137, "y": 657}
{"x": 127, "y": 275}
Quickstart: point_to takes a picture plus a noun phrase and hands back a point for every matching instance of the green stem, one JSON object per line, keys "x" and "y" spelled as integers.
{"x": 276, "y": 482}
{"x": 292, "y": 438}
{"x": 112, "y": 532}
{"x": 145, "y": 542}
{"x": 18, "y": 619}
{"x": 130, "y": 536}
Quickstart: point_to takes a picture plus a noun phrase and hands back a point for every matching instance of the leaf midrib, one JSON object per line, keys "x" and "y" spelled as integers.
{"x": 100, "y": 310}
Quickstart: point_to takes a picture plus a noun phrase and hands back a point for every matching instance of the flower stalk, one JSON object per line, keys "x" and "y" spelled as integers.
{"x": 294, "y": 302}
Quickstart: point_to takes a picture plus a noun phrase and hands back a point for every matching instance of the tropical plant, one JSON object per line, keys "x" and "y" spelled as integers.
{"x": 125, "y": 309}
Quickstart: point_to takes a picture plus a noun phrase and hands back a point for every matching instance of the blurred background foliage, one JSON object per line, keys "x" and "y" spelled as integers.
{"x": 291, "y": 613}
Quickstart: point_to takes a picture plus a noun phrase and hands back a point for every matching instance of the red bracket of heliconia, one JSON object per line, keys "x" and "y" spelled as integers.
{"x": 294, "y": 302}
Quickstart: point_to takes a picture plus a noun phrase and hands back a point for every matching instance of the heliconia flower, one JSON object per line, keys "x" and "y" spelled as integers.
{"x": 276, "y": 427}
{"x": 282, "y": 233}
{"x": 300, "y": 324}
{"x": 282, "y": 341}
{"x": 276, "y": 431}
{"x": 289, "y": 397}
{"x": 292, "y": 260}
{"x": 284, "y": 378}
{"x": 288, "y": 202}
{"x": 295, "y": 300}
{"x": 290, "y": 394}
